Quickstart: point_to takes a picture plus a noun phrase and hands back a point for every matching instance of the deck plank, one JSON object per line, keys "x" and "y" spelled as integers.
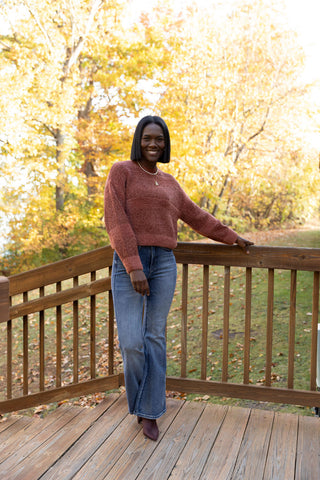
{"x": 223, "y": 456}
{"x": 9, "y": 421}
{"x": 11, "y": 433}
{"x": 110, "y": 451}
{"x": 72, "y": 461}
{"x": 139, "y": 451}
{"x": 165, "y": 456}
{"x": 280, "y": 463}
{"x": 254, "y": 447}
{"x": 194, "y": 456}
{"x": 308, "y": 450}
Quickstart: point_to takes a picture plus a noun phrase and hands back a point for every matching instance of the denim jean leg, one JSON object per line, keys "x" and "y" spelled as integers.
{"x": 151, "y": 400}
{"x": 128, "y": 306}
{"x": 141, "y": 325}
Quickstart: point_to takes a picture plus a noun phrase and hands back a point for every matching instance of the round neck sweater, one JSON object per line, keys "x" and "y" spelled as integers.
{"x": 138, "y": 212}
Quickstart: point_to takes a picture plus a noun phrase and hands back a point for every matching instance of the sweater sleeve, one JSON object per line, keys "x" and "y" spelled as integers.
{"x": 203, "y": 222}
{"x": 118, "y": 226}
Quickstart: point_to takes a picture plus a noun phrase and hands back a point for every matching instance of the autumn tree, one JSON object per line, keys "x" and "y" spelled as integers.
{"x": 229, "y": 99}
{"x": 74, "y": 80}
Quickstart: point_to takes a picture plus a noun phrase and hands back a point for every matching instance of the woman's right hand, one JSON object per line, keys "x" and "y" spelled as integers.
{"x": 139, "y": 282}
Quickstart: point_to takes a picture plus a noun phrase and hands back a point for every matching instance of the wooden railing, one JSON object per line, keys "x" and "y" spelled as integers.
{"x": 59, "y": 330}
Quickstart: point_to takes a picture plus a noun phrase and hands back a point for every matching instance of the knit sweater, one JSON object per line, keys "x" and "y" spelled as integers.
{"x": 140, "y": 213}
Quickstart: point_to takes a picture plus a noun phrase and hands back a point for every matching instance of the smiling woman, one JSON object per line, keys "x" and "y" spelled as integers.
{"x": 142, "y": 207}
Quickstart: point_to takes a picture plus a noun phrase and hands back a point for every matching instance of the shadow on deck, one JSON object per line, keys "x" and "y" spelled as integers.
{"x": 197, "y": 441}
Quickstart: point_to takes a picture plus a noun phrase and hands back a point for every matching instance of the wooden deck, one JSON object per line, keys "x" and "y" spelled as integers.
{"x": 197, "y": 441}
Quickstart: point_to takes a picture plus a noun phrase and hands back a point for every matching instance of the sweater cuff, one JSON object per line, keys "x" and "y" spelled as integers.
{"x": 231, "y": 237}
{"x": 132, "y": 263}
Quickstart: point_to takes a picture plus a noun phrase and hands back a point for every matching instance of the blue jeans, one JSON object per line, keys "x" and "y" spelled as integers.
{"x": 141, "y": 323}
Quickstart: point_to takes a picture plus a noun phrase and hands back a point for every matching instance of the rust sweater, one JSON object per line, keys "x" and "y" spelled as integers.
{"x": 139, "y": 212}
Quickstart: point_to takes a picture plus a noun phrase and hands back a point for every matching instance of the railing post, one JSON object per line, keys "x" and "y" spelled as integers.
{"x": 318, "y": 357}
{"x": 4, "y": 299}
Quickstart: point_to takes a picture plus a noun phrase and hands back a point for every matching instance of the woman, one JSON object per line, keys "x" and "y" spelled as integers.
{"x": 142, "y": 207}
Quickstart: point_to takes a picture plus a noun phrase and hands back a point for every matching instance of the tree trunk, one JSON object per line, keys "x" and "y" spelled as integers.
{"x": 61, "y": 178}
{"x": 224, "y": 186}
{"x": 88, "y": 169}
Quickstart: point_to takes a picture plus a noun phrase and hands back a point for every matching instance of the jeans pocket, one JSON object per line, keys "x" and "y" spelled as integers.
{"x": 117, "y": 265}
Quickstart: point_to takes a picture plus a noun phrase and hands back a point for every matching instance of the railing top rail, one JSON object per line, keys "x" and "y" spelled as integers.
{"x": 287, "y": 258}
{"x": 291, "y": 258}
{"x": 61, "y": 270}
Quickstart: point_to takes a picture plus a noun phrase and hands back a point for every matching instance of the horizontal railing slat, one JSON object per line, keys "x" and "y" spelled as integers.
{"x": 61, "y": 270}
{"x": 57, "y": 394}
{"x": 60, "y": 298}
{"x": 251, "y": 392}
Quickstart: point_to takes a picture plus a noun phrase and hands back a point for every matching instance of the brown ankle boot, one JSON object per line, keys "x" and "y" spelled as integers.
{"x": 150, "y": 428}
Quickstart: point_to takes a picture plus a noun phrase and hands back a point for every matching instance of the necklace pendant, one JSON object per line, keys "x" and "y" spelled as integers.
{"x": 156, "y": 183}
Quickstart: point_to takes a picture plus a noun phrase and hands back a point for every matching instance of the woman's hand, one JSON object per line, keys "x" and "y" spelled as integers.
{"x": 244, "y": 244}
{"x": 140, "y": 282}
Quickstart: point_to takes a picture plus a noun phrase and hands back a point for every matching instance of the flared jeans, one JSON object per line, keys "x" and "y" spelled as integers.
{"x": 141, "y": 322}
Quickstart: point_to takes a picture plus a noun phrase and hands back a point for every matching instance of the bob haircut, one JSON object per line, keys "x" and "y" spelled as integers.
{"x": 136, "y": 142}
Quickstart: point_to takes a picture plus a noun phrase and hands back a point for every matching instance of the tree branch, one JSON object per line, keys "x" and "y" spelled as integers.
{"x": 239, "y": 150}
{"x": 43, "y": 31}
{"x": 5, "y": 47}
{"x": 76, "y": 50}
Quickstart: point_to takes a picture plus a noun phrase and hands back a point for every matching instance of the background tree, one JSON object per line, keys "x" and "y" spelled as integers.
{"x": 229, "y": 96}
{"x": 75, "y": 73}
{"x": 76, "y": 76}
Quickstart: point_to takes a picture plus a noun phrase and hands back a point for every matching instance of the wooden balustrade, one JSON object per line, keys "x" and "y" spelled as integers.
{"x": 269, "y": 258}
{"x": 46, "y": 285}
{"x": 31, "y": 295}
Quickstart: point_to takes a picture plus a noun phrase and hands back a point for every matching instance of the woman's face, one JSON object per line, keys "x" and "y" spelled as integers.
{"x": 152, "y": 144}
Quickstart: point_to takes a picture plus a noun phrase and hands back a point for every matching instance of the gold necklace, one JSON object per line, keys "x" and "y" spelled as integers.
{"x": 149, "y": 173}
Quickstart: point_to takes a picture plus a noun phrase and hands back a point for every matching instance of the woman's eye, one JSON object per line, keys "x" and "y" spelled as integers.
{"x": 148, "y": 139}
